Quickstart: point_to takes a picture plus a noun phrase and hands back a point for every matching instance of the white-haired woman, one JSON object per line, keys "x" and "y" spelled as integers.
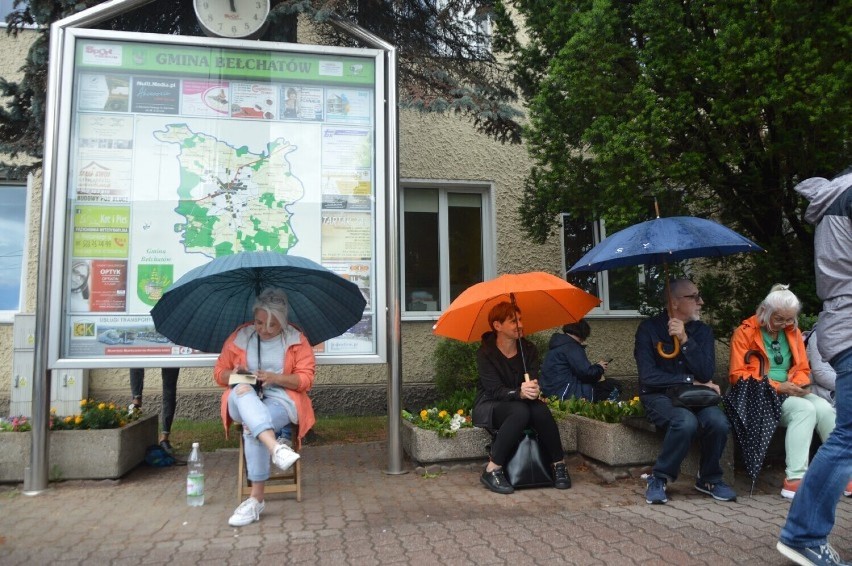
{"x": 283, "y": 361}
{"x": 774, "y": 332}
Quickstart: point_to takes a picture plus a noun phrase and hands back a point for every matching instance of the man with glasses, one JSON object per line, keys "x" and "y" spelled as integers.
{"x": 663, "y": 365}
{"x": 804, "y": 538}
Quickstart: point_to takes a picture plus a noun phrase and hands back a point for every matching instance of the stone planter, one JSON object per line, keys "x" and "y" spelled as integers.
{"x": 81, "y": 454}
{"x": 426, "y": 447}
{"x": 615, "y": 444}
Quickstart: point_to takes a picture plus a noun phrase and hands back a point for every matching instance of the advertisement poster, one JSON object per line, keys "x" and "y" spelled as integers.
{"x": 180, "y": 154}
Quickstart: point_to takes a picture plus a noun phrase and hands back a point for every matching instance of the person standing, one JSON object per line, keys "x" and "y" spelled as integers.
{"x": 167, "y": 410}
{"x": 804, "y": 537}
{"x": 695, "y": 363}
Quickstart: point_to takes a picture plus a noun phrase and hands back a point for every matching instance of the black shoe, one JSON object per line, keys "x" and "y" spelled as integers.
{"x": 561, "y": 479}
{"x": 496, "y": 481}
{"x": 167, "y": 446}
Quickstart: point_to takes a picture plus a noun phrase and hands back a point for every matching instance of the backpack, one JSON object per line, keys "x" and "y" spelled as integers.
{"x": 157, "y": 457}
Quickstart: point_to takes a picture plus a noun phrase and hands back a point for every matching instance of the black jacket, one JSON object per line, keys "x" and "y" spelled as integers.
{"x": 497, "y": 380}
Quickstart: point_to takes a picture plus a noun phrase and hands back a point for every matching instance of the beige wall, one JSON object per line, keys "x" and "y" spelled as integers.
{"x": 431, "y": 147}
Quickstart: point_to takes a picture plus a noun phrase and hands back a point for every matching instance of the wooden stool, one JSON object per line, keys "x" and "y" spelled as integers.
{"x": 278, "y": 482}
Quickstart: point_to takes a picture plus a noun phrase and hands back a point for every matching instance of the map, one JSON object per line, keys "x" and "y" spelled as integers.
{"x": 232, "y": 199}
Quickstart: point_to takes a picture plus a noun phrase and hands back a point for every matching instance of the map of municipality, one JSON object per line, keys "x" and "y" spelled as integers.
{"x": 233, "y": 200}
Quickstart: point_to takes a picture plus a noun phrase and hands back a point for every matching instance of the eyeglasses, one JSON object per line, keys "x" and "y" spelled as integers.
{"x": 695, "y": 297}
{"x": 777, "y": 357}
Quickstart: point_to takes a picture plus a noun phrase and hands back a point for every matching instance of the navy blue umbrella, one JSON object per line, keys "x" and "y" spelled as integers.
{"x": 202, "y": 308}
{"x": 664, "y": 240}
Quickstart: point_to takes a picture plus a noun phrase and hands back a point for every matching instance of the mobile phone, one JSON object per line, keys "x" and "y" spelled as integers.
{"x": 610, "y": 360}
{"x": 244, "y": 372}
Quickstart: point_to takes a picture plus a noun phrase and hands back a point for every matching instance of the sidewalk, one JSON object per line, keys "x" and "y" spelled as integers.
{"x": 353, "y": 513}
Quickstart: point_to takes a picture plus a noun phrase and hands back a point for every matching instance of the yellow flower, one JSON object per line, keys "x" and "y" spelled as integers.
{"x": 442, "y": 414}
{"x": 424, "y": 414}
{"x": 78, "y": 420}
{"x": 101, "y": 406}
{"x": 460, "y": 412}
{"x": 112, "y": 406}
{"x": 68, "y": 419}
{"x": 121, "y": 423}
{"x": 83, "y": 402}
{"x": 53, "y": 411}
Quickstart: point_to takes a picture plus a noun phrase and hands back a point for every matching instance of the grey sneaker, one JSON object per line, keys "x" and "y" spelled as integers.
{"x": 822, "y": 555}
{"x": 247, "y": 513}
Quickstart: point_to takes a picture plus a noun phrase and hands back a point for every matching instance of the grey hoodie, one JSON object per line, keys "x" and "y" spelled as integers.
{"x": 830, "y": 209}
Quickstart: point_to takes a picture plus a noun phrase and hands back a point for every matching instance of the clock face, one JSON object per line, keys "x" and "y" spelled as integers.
{"x": 232, "y": 18}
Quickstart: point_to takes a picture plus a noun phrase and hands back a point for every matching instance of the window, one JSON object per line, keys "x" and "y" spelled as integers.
{"x": 13, "y": 218}
{"x": 445, "y": 244}
{"x": 618, "y": 289}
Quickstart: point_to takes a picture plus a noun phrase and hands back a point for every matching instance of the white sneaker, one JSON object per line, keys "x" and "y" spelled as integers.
{"x": 284, "y": 457}
{"x": 247, "y": 513}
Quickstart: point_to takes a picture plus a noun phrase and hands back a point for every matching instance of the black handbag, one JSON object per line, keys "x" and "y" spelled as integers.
{"x": 529, "y": 466}
{"x": 693, "y": 396}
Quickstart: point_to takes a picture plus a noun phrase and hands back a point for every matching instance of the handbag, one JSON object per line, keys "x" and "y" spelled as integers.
{"x": 693, "y": 396}
{"x": 529, "y": 466}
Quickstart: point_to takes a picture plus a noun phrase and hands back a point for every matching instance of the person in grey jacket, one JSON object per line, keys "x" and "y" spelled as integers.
{"x": 804, "y": 538}
{"x": 822, "y": 374}
{"x": 567, "y": 371}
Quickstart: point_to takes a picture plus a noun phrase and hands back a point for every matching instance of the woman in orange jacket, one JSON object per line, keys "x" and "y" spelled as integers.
{"x": 280, "y": 362}
{"x": 775, "y": 334}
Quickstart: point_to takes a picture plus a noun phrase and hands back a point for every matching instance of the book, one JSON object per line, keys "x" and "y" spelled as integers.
{"x": 236, "y": 378}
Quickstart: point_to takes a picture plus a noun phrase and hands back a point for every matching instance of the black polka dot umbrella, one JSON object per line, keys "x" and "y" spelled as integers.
{"x": 754, "y": 409}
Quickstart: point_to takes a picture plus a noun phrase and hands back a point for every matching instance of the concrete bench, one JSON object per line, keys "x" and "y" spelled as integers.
{"x": 690, "y": 465}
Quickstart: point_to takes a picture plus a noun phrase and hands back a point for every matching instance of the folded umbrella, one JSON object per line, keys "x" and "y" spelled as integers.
{"x": 202, "y": 308}
{"x": 754, "y": 409}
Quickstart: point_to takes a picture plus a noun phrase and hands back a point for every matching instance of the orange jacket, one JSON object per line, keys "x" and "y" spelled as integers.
{"x": 299, "y": 360}
{"x": 747, "y": 337}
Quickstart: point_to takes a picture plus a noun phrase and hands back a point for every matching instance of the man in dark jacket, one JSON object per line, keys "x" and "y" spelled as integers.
{"x": 567, "y": 371}
{"x": 804, "y": 539}
{"x": 695, "y": 363}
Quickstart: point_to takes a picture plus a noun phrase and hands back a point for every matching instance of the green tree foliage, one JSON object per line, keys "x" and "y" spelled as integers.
{"x": 445, "y": 65}
{"x": 715, "y": 108}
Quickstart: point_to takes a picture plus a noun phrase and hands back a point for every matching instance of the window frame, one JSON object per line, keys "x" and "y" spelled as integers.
{"x": 602, "y": 311}
{"x": 489, "y": 237}
{"x": 8, "y": 316}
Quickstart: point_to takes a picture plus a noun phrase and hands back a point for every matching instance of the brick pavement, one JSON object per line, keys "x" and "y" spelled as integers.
{"x": 354, "y": 513}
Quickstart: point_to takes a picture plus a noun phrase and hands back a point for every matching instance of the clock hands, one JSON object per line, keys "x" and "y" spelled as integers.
{"x": 233, "y": 7}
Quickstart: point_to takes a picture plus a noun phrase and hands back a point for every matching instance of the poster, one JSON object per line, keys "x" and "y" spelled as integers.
{"x": 180, "y": 153}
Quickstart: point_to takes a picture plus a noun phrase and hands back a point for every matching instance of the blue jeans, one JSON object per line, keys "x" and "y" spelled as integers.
{"x": 256, "y": 415}
{"x": 682, "y": 426}
{"x": 811, "y": 515}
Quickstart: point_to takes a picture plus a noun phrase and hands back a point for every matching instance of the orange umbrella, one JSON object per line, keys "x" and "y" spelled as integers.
{"x": 545, "y": 301}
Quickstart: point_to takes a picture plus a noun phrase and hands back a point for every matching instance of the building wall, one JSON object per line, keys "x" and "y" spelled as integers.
{"x": 431, "y": 147}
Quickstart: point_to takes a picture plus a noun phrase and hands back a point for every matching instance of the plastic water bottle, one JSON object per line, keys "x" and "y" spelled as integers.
{"x": 195, "y": 478}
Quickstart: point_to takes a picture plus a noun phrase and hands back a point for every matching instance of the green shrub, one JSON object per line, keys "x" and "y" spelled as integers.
{"x": 455, "y": 367}
{"x": 462, "y": 399}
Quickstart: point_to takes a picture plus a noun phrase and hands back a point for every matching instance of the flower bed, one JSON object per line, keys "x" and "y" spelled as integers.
{"x": 81, "y": 454}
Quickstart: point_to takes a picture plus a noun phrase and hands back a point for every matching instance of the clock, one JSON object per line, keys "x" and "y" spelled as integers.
{"x": 232, "y": 18}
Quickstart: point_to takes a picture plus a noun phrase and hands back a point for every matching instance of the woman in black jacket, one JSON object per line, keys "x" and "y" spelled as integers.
{"x": 508, "y": 403}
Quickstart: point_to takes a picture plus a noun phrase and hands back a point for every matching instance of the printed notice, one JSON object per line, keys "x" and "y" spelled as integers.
{"x": 101, "y": 231}
{"x": 347, "y": 148}
{"x": 103, "y": 92}
{"x": 155, "y": 96}
{"x": 130, "y": 335}
{"x": 104, "y": 181}
{"x": 356, "y": 272}
{"x": 205, "y": 98}
{"x": 254, "y": 100}
{"x": 347, "y": 236}
{"x": 108, "y": 286}
{"x": 301, "y": 103}
{"x": 348, "y": 105}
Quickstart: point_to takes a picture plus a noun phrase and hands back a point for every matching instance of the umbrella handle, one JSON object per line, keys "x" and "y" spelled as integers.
{"x": 668, "y": 356}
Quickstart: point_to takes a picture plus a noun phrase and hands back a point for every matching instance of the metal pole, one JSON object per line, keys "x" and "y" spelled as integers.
{"x": 394, "y": 338}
